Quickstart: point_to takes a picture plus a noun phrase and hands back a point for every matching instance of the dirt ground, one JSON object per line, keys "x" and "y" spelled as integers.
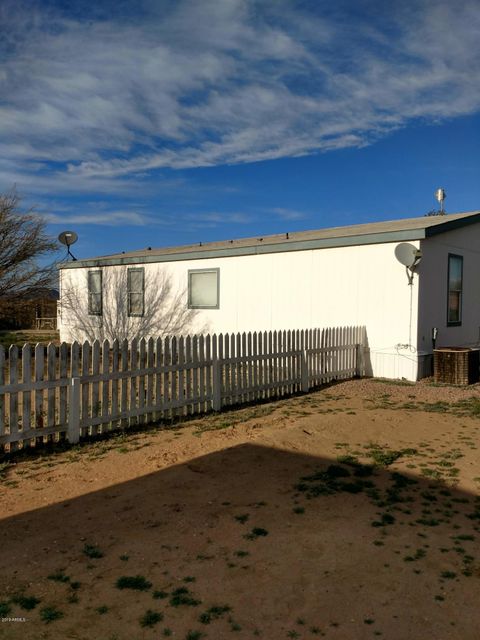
{"x": 348, "y": 513}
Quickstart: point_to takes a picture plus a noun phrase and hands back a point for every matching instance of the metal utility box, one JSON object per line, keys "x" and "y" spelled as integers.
{"x": 456, "y": 365}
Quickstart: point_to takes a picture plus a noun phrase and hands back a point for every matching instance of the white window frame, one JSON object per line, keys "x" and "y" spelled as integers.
{"x": 196, "y": 271}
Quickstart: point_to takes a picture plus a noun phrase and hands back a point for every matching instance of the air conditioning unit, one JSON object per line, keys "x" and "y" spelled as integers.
{"x": 456, "y": 365}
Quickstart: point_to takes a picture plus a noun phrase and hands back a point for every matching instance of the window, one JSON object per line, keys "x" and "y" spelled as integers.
{"x": 203, "y": 289}
{"x": 136, "y": 292}
{"x": 95, "y": 293}
{"x": 455, "y": 285}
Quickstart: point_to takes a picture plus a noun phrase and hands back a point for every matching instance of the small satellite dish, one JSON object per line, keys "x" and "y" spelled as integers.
{"x": 68, "y": 238}
{"x": 407, "y": 254}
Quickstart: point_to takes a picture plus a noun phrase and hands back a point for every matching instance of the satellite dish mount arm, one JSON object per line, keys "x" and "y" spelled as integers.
{"x": 410, "y": 271}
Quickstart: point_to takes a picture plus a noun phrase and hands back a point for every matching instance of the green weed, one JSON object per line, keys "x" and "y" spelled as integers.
{"x": 183, "y": 597}
{"x": 91, "y": 551}
{"x": 50, "y": 614}
{"x": 139, "y": 583}
{"x": 102, "y": 610}
{"x": 255, "y": 533}
{"x": 59, "y": 576}
{"x": 150, "y": 618}
{"x": 26, "y": 602}
{"x": 194, "y": 635}
{"x": 242, "y": 518}
{"x": 214, "y": 613}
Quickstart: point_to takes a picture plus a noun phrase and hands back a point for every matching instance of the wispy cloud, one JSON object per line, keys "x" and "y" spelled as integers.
{"x": 95, "y": 103}
{"x": 288, "y": 214}
{"x": 108, "y": 218}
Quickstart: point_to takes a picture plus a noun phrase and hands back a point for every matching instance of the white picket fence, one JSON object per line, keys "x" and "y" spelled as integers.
{"x": 73, "y": 391}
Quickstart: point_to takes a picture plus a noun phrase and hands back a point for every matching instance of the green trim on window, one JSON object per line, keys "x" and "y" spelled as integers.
{"x": 95, "y": 294}
{"x": 457, "y": 293}
{"x": 199, "y": 271}
{"x": 133, "y": 294}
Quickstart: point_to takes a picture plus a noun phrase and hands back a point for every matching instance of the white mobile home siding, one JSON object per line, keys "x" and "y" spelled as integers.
{"x": 354, "y": 285}
{"x": 433, "y": 272}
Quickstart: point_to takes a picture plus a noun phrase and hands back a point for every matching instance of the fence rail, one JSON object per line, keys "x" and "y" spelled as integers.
{"x": 73, "y": 391}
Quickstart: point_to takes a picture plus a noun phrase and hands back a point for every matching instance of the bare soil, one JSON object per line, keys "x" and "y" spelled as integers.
{"x": 348, "y": 513}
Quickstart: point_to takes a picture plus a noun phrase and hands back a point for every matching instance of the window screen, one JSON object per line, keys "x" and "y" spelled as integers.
{"x": 135, "y": 292}
{"x": 95, "y": 293}
{"x": 455, "y": 287}
{"x": 203, "y": 289}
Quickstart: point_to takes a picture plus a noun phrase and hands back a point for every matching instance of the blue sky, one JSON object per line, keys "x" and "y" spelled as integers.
{"x": 165, "y": 122}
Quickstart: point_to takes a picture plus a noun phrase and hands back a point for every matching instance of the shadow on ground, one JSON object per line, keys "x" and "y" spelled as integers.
{"x": 248, "y": 542}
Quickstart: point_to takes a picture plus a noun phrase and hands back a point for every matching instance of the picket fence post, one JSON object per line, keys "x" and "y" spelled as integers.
{"x": 304, "y": 371}
{"x": 360, "y": 368}
{"x": 73, "y": 434}
{"x": 217, "y": 385}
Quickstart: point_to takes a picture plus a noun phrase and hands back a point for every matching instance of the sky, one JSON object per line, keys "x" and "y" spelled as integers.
{"x": 168, "y": 122}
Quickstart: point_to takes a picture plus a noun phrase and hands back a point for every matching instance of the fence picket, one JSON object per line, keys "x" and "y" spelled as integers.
{"x": 62, "y": 391}
{"x": 226, "y": 369}
{"x": 254, "y": 353}
{"x": 13, "y": 404}
{"x": 167, "y": 390}
{"x": 142, "y": 355}
{"x": 188, "y": 375}
{"x": 115, "y": 368}
{"x": 124, "y": 385}
{"x": 51, "y": 376}
{"x": 2, "y": 396}
{"x": 95, "y": 409}
{"x": 107, "y": 388}
{"x": 39, "y": 373}
{"x": 195, "y": 371}
{"x": 150, "y": 380}
{"x": 132, "y": 406}
{"x": 158, "y": 379}
{"x": 27, "y": 394}
{"x": 85, "y": 387}
{"x": 221, "y": 378}
{"x": 210, "y": 349}
{"x": 181, "y": 377}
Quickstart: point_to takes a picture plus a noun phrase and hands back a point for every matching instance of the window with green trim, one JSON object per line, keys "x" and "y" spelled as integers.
{"x": 204, "y": 288}
{"x": 455, "y": 289}
{"x": 95, "y": 297}
{"x": 136, "y": 292}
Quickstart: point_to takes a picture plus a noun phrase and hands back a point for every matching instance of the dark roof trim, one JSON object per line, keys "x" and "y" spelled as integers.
{"x": 281, "y": 247}
{"x": 451, "y": 225}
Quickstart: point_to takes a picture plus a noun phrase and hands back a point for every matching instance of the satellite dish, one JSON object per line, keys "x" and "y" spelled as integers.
{"x": 68, "y": 238}
{"x": 407, "y": 254}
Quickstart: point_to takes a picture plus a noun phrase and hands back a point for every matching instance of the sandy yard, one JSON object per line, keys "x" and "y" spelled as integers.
{"x": 349, "y": 513}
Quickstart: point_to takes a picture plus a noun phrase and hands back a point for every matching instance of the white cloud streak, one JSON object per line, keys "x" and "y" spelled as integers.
{"x": 189, "y": 84}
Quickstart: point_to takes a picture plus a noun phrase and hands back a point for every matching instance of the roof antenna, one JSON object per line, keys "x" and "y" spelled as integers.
{"x": 440, "y": 195}
{"x": 68, "y": 238}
